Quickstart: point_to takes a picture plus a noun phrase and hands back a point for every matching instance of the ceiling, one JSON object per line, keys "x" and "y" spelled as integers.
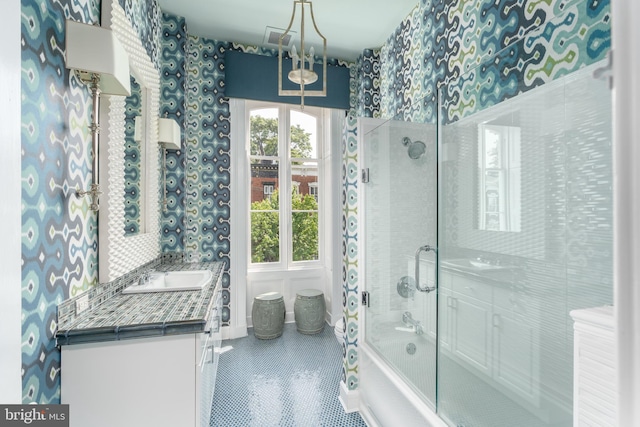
{"x": 350, "y": 26}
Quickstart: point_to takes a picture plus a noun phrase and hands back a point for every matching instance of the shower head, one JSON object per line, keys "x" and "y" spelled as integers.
{"x": 415, "y": 149}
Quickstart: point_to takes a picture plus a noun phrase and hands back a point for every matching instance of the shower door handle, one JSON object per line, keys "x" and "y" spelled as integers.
{"x": 425, "y": 248}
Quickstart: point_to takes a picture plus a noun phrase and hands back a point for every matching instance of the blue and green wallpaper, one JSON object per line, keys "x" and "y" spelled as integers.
{"x": 207, "y": 146}
{"x": 132, "y": 170}
{"x": 172, "y": 105}
{"x": 59, "y": 246}
{"x": 480, "y": 53}
{"x": 59, "y": 231}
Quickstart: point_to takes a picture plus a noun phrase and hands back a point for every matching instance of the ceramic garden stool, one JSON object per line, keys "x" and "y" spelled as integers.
{"x": 309, "y": 311}
{"x": 268, "y": 315}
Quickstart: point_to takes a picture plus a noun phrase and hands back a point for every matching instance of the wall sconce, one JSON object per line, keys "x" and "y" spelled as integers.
{"x": 302, "y": 63}
{"x": 169, "y": 139}
{"x": 98, "y": 59}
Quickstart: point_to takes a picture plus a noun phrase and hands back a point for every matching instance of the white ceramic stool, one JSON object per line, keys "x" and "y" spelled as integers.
{"x": 268, "y": 314}
{"x": 309, "y": 310}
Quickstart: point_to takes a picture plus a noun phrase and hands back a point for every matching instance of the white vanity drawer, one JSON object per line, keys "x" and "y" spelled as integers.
{"x": 472, "y": 288}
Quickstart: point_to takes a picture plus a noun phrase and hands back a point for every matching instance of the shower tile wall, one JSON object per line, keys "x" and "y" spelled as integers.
{"x": 441, "y": 41}
{"x": 59, "y": 245}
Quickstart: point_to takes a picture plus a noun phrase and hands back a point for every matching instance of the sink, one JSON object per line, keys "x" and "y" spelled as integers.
{"x": 471, "y": 265}
{"x": 189, "y": 280}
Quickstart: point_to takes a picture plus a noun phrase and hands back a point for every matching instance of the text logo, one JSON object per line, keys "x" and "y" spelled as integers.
{"x": 34, "y": 415}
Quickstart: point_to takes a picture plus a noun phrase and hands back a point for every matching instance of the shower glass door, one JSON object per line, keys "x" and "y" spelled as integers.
{"x": 525, "y": 237}
{"x": 399, "y": 203}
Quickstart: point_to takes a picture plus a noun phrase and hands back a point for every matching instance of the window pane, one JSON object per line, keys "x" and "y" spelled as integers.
{"x": 264, "y": 185}
{"x": 305, "y": 236}
{"x": 264, "y": 132}
{"x": 304, "y": 207}
{"x": 303, "y": 136}
{"x": 304, "y": 183}
{"x": 265, "y": 237}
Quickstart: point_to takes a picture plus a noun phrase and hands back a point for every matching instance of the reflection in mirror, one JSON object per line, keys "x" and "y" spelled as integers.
{"x": 499, "y": 176}
{"x": 120, "y": 253}
{"x": 133, "y": 153}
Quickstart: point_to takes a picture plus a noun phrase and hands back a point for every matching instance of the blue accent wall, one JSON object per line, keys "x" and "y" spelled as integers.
{"x": 256, "y": 77}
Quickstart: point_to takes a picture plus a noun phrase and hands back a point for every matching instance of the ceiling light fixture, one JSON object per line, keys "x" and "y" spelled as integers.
{"x": 302, "y": 61}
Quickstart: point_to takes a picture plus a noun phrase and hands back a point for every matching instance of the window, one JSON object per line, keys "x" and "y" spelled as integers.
{"x": 313, "y": 190}
{"x": 499, "y": 178}
{"x": 267, "y": 190}
{"x": 284, "y": 146}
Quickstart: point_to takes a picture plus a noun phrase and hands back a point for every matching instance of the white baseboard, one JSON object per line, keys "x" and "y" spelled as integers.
{"x": 350, "y": 399}
{"x": 233, "y": 332}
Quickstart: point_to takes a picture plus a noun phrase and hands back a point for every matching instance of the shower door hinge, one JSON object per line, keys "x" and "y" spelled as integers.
{"x": 365, "y": 175}
{"x": 365, "y": 298}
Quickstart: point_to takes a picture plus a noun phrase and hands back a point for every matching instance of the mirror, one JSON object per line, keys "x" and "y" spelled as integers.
{"x": 134, "y": 152}
{"x": 121, "y": 252}
{"x": 499, "y": 176}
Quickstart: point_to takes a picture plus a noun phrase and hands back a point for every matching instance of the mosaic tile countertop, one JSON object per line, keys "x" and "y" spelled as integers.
{"x": 113, "y": 315}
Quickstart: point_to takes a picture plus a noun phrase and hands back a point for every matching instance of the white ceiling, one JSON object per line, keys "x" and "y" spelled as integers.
{"x": 350, "y": 26}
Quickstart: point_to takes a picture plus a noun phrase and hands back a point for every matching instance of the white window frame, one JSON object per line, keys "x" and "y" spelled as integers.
{"x": 285, "y": 185}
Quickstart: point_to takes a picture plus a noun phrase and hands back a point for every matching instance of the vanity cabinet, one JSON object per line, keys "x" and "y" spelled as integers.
{"x": 492, "y": 330}
{"x": 156, "y": 381}
{"x": 470, "y": 317}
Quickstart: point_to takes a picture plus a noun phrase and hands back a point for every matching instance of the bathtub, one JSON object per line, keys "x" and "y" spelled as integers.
{"x": 386, "y": 397}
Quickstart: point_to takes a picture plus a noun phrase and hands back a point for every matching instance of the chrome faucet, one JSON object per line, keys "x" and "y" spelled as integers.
{"x": 145, "y": 277}
{"x": 408, "y": 320}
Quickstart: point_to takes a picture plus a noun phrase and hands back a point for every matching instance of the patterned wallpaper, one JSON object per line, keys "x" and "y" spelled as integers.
{"x": 145, "y": 17}
{"x": 452, "y": 45}
{"x": 172, "y": 98}
{"x": 449, "y": 43}
{"x": 59, "y": 232}
{"x": 368, "y": 83}
{"x": 59, "y": 246}
{"x": 350, "y": 252}
{"x": 207, "y": 146}
{"x": 132, "y": 172}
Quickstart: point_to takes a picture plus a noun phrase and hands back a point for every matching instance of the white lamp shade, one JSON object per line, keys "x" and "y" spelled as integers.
{"x": 169, "y": 133}
{"x": 94, "y": 49}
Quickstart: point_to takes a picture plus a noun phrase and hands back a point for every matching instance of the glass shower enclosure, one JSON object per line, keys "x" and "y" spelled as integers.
{"x": 400, "y": 203}
{"x": 481, "y": 234}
